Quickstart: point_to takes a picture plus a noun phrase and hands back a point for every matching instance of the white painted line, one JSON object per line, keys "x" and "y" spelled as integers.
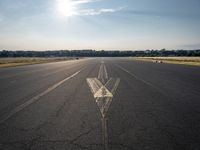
{"x": 103, "y": 92}
{"x": 46, "y": 68}
{"x": 105, "y": 72}
{"x": 128, "y": 72}
{"x": 115, "y": 86}
{"x": 105, "y": 133}
{"x": 59, "y": 70}
{"x": 100, "y": 71}
{"x": 102, "y": 75}
{"x": 109, "y": 100}
{"x": 98, "y": 89}
{"x": 103, "y": 96}
{"x": 146, "y": 82}
{"x": 94, "y": 84}
{"x": 36, "y": 98}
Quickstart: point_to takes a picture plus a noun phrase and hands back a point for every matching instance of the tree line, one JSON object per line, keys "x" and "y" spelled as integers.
{"x": 102, "y": 53}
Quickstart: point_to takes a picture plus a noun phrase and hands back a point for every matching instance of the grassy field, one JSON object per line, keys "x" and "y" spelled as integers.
{"x": 19, "y": 61}
{"x": 174, "y": 60}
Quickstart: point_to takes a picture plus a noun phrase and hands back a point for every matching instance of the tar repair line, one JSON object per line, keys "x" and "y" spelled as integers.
{"x": 36, "y": 98}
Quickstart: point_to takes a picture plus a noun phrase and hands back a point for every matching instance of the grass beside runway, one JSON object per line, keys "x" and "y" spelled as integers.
{"x": 173, "y": 60}
{"x": 19, "y": 61}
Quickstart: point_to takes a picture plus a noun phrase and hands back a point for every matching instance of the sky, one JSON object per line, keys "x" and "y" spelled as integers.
{"x": 99, "y": 24}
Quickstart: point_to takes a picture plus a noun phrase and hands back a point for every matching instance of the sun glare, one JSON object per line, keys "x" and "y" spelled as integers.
{"x": 66, "y": 8}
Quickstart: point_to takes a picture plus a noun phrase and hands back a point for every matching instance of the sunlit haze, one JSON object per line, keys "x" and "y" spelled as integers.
{"x": 99, "y": 24}
{"x": 66, "y": 8}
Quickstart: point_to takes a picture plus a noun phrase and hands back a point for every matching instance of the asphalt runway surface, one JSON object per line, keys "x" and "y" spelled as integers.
{"x": 100, "y": 103}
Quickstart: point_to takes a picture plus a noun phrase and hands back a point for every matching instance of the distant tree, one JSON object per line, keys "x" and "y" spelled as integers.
{"x": 102, "y": 53}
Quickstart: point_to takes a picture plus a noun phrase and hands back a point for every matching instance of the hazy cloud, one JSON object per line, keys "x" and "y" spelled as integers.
{"x": 191, "y": 46}
{"x": 83, "y": 1}
{"x": 73, "y": 8}
{"x": 99, "y": 11}
{"x": 1, "y": 17}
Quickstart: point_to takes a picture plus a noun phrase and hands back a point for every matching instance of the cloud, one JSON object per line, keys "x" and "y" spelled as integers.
{"x": 191, "y": 46}
{"x": 97, "y": 11}
{"x": 73, "y": 8}
{"x": 92, "y": 12}
{"x": 83, "y": 1}
{"x": 1, "y": 17}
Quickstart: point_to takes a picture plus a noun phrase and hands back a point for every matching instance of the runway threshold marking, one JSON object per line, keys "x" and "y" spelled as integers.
{"x": 103, "y": 89}
{"x": 36, "y": 98}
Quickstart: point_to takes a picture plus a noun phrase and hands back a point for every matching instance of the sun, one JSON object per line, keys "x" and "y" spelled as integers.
{"x": 66, "y": 8}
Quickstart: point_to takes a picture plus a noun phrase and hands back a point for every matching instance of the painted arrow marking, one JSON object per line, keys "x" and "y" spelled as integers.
{"x": 103, "y": 89}
{"x": 98, "y": 89}
{"x": 103, "y": 92}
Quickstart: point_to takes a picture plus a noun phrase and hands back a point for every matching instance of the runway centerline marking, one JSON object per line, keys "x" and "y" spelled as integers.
{"x": 102, "y": 75}
{"x": 35, "y": 98}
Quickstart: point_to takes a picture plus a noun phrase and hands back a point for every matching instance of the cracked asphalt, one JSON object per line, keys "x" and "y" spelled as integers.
{"x": 50, "y": 106}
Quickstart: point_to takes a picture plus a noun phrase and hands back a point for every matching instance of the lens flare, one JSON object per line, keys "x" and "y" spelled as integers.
{"x": 66, "y": 8}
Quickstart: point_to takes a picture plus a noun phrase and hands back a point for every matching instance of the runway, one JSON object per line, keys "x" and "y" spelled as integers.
{"x": 100, "y": 104}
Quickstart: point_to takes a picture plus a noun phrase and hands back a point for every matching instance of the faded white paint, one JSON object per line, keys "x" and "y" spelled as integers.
{"x": 100, "y": 89}
{"x": 103, "y": 92}
{"x": 36, "y": 98}
{"x": 103, "y": 75}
